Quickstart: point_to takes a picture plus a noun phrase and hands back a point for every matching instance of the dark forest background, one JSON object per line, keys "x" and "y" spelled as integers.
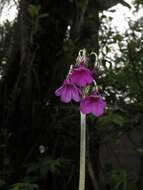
{"x": 39, "y": 135}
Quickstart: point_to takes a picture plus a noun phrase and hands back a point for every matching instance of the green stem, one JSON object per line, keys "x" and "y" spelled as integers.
{"x": 82, "y": 152}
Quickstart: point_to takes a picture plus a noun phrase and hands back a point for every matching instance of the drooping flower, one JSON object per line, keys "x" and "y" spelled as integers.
{"x": 81, "y": 76}
{"x": 95, "y": 70}
{"x": 92, "y": 104}
{"x": 68, "y": 91}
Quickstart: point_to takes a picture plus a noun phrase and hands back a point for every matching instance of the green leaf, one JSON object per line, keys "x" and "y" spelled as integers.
{"x": 32, "y": 167}
{"x": 33, "y": 10}
{"x": 44, "y": 166}
{"x": 44, "y": 15}
{"x": 24, "y": 186}
{"x": 49, "y": 165}
{"x": 118, "y": 120}
{"x": 112, "y": 119}
{"x": 117, "y": 37}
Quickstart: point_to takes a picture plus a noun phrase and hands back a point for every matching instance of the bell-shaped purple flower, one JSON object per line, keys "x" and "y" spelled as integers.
{"x": 68, "y": 91}
{"x": 95, "y": 70}
{"x": 81, "y": 76}
{"x": 93, "y": 104}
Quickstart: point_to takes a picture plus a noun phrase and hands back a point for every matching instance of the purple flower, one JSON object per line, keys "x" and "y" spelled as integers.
{"x": 68, "y": 91}
{"x": 81, "y": 76}
{"x": 95, "y": 70}
{"x": 92, "y": 104}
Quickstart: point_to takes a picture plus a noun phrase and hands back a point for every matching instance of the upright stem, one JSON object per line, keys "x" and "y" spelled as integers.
{"x": 82, "y": 152}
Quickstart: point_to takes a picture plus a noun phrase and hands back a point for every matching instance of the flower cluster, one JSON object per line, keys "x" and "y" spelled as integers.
{"x": 74, "y": 87}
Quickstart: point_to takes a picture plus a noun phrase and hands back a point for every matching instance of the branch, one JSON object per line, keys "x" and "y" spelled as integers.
{"x": 77, "y": 24}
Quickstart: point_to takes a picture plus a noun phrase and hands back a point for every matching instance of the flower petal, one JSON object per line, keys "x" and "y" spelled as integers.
{"x": 102, "y": 102}
{"x": 97, "y": 106}
{"x": 75, "y": 94}
{"x": 97, "y": 109}
{"x": 66, "y": 95}
{"x": 59, "y": 91}
{"x": 85, "y": 106}
{"x": 75, "y": 78}
{"x": 89, "y": 78}
{"x": 81, "y": 76}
